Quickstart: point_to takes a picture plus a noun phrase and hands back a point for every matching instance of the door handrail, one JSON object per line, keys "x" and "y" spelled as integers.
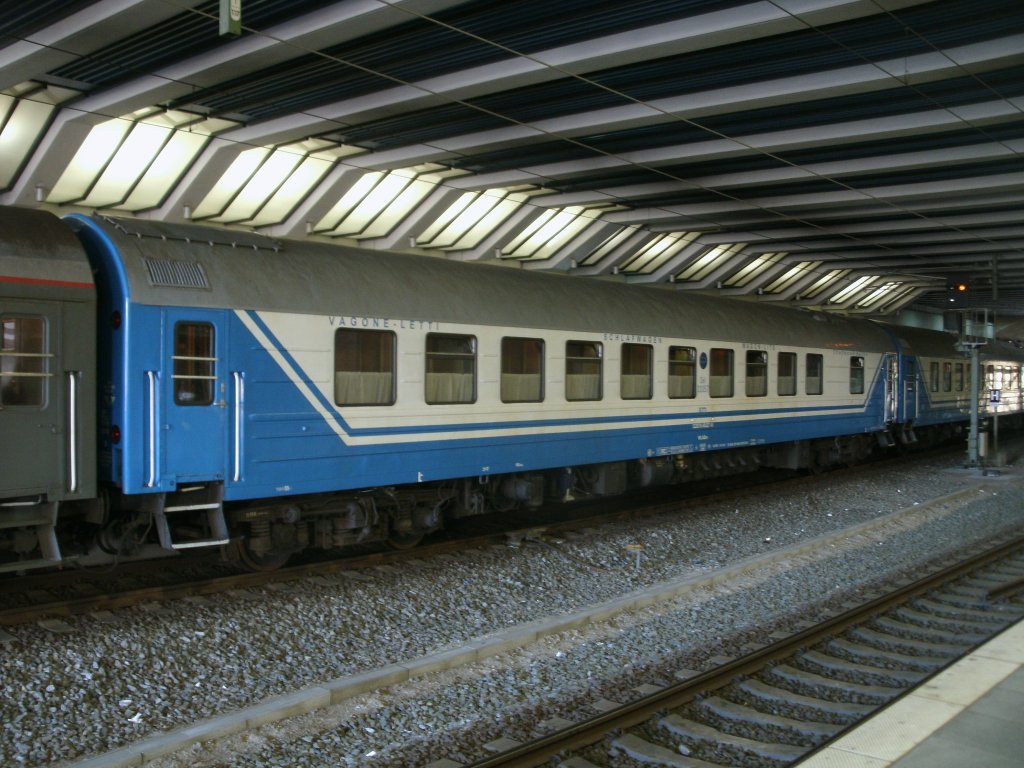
{"x": 239, "y": 423}
{"x": 152, "y": 389}
{"x": 73, "y": 430}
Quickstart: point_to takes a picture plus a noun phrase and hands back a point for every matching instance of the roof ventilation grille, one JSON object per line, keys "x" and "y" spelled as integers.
{"x": 164, "y": 273}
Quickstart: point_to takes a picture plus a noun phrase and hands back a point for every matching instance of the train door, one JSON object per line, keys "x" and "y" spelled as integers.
{"x": 891, "y": 388}
{"x": 195, "y": 403}
{"x": 910, "y": 393}
{"x": 32, "y": 400}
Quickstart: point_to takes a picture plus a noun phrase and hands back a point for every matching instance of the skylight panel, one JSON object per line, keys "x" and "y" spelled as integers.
{"x": 25, "y": 113}
{"x": 264, "y": 184}
{"x": 473, "y": 217}
{"x": 707, "y": 262}
{"x": 489, "y": 222}
{"x": 133, "y": 162}
{"x": 656, "y": 252}
{"x": 879, "y": 295}
{"x": 90, "y": 160}
{"x": 22, "y": 121}
{"x": 859, "y": 284}
{"x": 348, "y": 201}
{"x": 167, "y": 167}
{"x": 464, "y": 214}
{"x": 266, "y": 178}
{"x": 372, "y": 199}
{"x": 133, "y": 157}
{"x": 234, "y": 178}
{"x": 799, "y": 272}
{"x": 306, "y": 175}
{"x": 380, "y": 200}
{"x": 414, "y": 193}
{"x": 549, "y": 232}
{"x": 752, "y": 269}
{"x": 609, "y": 246}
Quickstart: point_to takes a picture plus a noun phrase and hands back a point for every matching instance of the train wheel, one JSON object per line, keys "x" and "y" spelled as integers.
{"x": 251, "y": 561}
{"x": 408, "y": 540}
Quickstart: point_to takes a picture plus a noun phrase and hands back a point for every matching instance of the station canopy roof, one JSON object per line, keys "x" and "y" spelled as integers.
{"x": 860, "y": 156}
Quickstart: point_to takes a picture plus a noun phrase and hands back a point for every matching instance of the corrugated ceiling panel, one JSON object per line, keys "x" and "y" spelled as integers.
{"x": 194, "y": 30}
{"x": 19, "y": 20}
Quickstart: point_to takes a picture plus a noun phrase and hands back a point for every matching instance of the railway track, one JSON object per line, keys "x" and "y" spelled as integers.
{"x": 776, "y": 705}
{"x": 334, "y": 625}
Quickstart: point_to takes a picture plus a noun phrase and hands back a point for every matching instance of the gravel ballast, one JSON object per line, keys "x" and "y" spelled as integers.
{"x": 119, "y": 678}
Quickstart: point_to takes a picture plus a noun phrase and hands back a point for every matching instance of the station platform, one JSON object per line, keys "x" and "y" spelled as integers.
{"x": 971, "y": 715}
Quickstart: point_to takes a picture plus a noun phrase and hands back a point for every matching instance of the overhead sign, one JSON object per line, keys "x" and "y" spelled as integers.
{"x": 230, "y": 17}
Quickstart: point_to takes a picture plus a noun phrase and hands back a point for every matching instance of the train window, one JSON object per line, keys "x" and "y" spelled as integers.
{"x": 814, "y": 377}
{"x": 933, "y": 377}
{"x": 194, "y": 364}
{"x": 522, "y": 370}
{"x": 682, "y": 368}
{"x": 364, "y": 367}
{"x": 786, "y": 377}
{"x": 757, "y": 373}
{"x": 583, "y": 361}
{"x": 947, "y": 377}
{"x": 856, "y": 375}
{"x": 721, "y": 366}
{"x": 959, "y": 377}
{"x": 637, "y": 371}
{"x": 451, "y": 369}
{"x": 23, "y": 361}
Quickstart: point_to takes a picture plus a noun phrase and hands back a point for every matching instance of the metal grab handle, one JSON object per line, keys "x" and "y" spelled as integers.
{"x": 239, "y": 421}
{"x": 152, "y": 389}
{"x": 73, "y": 430}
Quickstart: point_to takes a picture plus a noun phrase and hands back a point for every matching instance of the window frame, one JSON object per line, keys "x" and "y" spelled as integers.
{"x": 791, "y": 358}
{"x": 691, "y": 364}
{"x": 857, "y": 375}
{"x": 625, "y": 356}
{"x": 729, "y": 356}
{"x": 36, "y": 393}
{"x": 579, "y": 360}
{"x": 194, "y": 372}
{"x": 431, "y": 357}
{"x": 383, "y": 352}
{"x": 540, "y": 360}
{"x": 820, "y": 362}
{"x": 756, "y": 362}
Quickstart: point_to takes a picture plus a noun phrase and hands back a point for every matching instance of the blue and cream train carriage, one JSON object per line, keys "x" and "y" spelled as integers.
{"x": 222, "y": 388}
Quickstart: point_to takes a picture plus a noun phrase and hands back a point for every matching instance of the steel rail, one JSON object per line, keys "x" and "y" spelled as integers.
{"x": 634, "y": 713}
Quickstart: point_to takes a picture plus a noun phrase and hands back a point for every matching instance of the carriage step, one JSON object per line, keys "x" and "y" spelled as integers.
{"x": 21, "y": 517}
{"x": 28, "y": 565}
{"x": 43, "y": 517}
{"x": 197, "y": 499}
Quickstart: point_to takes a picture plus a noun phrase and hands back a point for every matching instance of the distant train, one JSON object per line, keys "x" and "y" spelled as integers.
{"x": 169, "y": 386}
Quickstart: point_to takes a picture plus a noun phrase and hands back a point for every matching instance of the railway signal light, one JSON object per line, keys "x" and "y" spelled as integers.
{"x": 958, "y": 288}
